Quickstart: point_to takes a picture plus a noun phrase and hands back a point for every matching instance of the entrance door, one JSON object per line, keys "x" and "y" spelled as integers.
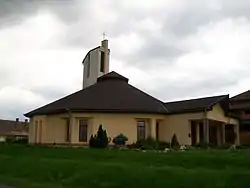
{"x": 213, "y": 135}
{"x": 193, "y": 133}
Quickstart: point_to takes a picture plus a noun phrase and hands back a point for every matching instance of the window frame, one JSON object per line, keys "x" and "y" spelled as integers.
{"x": 102, "y": 62}
{"x": 141, "y": 124}
{"x": 83, "y": 124}
{"x": 88, "y": 66}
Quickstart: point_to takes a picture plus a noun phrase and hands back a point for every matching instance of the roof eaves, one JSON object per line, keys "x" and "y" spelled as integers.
{"x": 217, "y": 101}
{"x": 89, "y": 53}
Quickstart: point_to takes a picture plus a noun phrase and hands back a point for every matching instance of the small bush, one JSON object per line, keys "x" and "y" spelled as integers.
{"x": 163, "y": 145}
{"x": 10, "y": 139}
{"x": 100, "y": 140}
{"x": 174, "y": 143}
{"x": 21, "y": 141}
{"x": 120, "y": 140}
{"x": 134, "y": 146}
{"x": 203, "y": 145}
{"x": 148, "y": 144}
{"x": 224, "y": 146}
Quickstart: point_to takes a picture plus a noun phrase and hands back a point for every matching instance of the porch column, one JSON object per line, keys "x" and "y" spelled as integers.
{"x": 206, "y": 130}
{"x": 73, "y": 130}
{"x": 223, "y": 133}
{"x": 153, "y": 128}
{"x": 197, "y": 132}
{"x": 237, "y": 132}
{"x": 219, "y": 134}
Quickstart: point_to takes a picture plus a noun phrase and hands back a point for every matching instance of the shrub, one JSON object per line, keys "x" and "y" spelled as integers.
{"x": 21, "y": 141}
{"x": 203, "y": 145}
{"x": 10, "y": 139}
{"x": 163, "y": 145}
{"x": 174, "y": 142}
{"x": 120, "y": 140}
{"x": 224, "y": 146}
{"x": 100, "y": 140}
{"x": 134, "y": 146}
{"x": 147, "y": 144}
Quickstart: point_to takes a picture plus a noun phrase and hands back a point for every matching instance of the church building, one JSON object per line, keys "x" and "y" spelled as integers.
{"x": 107, "y": 99}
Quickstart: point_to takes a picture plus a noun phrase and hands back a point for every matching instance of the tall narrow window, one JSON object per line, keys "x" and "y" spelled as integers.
{"x": 83, "y": 130}
{"x": 102, "y": 62}
{"x": 141, "y": 130}
{"x": 67, "y": 130}
{"x": 88, "y": 66}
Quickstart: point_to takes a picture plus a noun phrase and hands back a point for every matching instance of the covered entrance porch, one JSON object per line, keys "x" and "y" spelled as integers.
{"x": 213, "y": 132}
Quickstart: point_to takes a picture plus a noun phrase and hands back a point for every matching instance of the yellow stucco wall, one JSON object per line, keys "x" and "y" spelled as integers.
{"x": 179, "y": 124}
{"x": 54, "y": 126}
{"x": 217, "y": 114}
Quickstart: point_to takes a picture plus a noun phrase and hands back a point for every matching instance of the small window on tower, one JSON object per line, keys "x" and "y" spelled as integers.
{"x": 102, "y": 62}
{"x": 88, "y": 67}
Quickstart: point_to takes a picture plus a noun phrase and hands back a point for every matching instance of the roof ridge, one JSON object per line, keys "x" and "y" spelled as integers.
{"x": 240, "y": 94}
{"x": 158, "y": 100}
{"x": 200, "y": 98}
{"x": 218, "y": 100}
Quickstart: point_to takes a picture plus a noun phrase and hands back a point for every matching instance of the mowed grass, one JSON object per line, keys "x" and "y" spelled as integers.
{"x": 27, "y": 167}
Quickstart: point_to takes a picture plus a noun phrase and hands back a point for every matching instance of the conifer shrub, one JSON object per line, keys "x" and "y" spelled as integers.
{"x": 100, "y": 140}
{"x": 174, "y": 143}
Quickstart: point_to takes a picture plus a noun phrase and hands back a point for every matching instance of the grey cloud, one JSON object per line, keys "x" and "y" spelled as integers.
{"x": 12, "y": 109}
{"x": 192, "y": 89}
{"x": 13, "y": 11}
{"x": 158, "y": 50}
{"x": 51, "y": 93}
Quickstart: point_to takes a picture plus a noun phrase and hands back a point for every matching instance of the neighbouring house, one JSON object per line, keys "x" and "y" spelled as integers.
{"x": 15, "y": 129}
{"x": 240, "y": 105}
{"x": 109, "y": 100}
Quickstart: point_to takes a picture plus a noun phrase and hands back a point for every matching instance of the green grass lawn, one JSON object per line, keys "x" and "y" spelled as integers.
{"x": 27, "y": 167}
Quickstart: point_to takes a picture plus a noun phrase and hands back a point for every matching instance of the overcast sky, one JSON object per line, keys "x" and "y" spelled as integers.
{"x": 172, "y": 49}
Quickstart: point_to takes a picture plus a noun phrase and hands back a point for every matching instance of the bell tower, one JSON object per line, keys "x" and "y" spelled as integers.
{"x": 96, "y": 64}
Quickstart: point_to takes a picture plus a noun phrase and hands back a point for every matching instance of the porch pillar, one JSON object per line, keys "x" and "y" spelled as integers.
{"x": 223, "y": 133}
{"x": 237, "y": 132}
{"x": 153, "y": 128}
{"x": 197, "y": 132}
{"x": 206, "y": 130}
{"x": 73, "y": 130}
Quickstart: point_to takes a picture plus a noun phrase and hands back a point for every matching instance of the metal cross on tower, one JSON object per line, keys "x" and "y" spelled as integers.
{"x": 104, "y": 35}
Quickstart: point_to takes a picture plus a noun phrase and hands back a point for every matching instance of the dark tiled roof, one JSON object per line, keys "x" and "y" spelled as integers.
{"x": 111, "y": 93}
{"x": 242, "y": 96}
{"x": 8, "y": 127}
{"x": 193, "y": 105}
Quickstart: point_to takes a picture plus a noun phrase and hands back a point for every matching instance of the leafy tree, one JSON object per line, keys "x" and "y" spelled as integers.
{"x": 100, "y": 140}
